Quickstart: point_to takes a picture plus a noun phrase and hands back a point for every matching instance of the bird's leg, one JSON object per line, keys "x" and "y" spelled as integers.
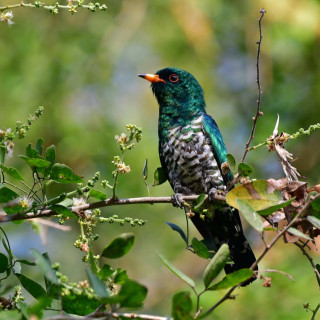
{"x": 179, "y": 191}
{"x": 211, "y": 194}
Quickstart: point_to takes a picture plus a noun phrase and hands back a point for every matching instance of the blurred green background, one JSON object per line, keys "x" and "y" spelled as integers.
{"x": 83, "y": 69}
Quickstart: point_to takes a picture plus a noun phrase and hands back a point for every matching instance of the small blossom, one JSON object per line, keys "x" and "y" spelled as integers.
{"x": 78, "y": 202}
{"x": 122, "y": 168}
{"x": 84, "y": 247}
{"x": 88, "y": 213}
{"x": 122, "y": 139}
{"x": 83, "y": 284}
{"x": 7, "y": 17}
{"x": 24, "y": 202}
{"x": 9, "y": 148}
{"x": 190, "y": 214}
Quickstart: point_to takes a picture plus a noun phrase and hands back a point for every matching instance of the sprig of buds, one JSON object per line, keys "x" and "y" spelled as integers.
{"x": 72, "y": 7}
{"x": 7, "y": 136}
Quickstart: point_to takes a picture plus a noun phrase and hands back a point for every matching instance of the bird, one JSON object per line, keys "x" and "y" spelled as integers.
{"x": 192, "y": 152}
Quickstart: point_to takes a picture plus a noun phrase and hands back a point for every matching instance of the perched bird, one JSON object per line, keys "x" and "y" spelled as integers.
{"x": 192, "y": 150}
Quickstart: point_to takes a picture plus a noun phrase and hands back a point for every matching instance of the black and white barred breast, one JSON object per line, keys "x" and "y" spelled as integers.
{"x": 189, "y": 160}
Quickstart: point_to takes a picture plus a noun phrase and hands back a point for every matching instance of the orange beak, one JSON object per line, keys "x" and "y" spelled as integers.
{"x": 153, "y": 78}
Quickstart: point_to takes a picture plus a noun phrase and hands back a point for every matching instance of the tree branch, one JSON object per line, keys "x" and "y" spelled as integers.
{"x": 50, "y": 7}
{"x": 310, "y": 260}
{"x": 105, "y": 203}
{"x": 108, "y": 315}
{"x": 258, "y": 113}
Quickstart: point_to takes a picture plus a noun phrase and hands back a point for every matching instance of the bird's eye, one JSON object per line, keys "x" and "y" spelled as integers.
{"x": 173, "y": 78}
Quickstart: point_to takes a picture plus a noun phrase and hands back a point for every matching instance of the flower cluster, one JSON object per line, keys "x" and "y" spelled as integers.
{"x": 7, "y": 17}
{"x": 121, "y": 167}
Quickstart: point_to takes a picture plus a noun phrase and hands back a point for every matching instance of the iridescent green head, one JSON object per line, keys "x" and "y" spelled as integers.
{"x": 177, "y": 92}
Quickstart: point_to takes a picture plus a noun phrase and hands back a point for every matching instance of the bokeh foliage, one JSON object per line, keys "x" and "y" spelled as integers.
{"x": 83, "y": 69}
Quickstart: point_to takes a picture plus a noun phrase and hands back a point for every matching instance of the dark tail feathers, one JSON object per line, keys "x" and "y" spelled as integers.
{"x": 225, "y": 227}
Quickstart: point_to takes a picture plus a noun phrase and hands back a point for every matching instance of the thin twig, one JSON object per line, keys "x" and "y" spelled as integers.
{"x": 275, "y": 271}
{"x": 100, "y": 204}
{"x": 316, "y": 271}
{"x": 314, "y": 312}
{"x": 259, "y": 113}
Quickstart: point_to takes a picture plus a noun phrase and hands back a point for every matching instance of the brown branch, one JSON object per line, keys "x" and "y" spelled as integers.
{"x": 258, "y": 113}
{"x": 108, "y": 315}
{"x": 316, "y": 271}
{"x": 105, "y": 203}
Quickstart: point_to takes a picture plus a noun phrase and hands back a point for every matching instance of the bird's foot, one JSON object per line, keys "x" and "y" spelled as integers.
{"x": 212, "y": 193}
{"x": 176, "y": 200}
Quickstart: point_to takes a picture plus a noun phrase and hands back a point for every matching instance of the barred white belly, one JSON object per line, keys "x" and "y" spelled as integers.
{"x": 189, "y": 158}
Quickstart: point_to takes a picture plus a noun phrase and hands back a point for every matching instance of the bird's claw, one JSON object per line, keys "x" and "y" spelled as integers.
{"x": 176, "y": 200}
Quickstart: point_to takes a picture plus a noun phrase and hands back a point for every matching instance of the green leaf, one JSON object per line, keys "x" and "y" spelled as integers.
{"x": 97, "y": 284}
{"x": 63, "y": 174}
{"x": 58, "y": 208}
{"x": 272, "y": 209}
{"x": 232, "y": 163}
{"x": 259, "y": 194}
{"x": 31, "y": 286}
{"x": 4, "y": 262}
{"x": 35, "y": 162}
{"x": 177, "y": 272}
{"x": 132, "y": 294}
{"x": 10, "y": 315}
{"x": 6, "y": 247}
{"x": 6, "y": 194}
{"x": 97, "y": 194}
{"x": 315, "y": 221}
{"x": 244, "y": 169}
{"x": 120, "y": 276}
{"x": 39, "y": 146}
{"x": 250, "y": 215}
{"x": 12, "y": 172}
{"x": 179, "y": 230}
{"x": 232, "y": 279}
{"x": 119, "y": 246}
{"x": 200, "y": 249}
{"x": 145, "y": 170}
{"x": 31, "y": 153}
{"x": 51, "y": 154}
{"x": 216, "y": 265}
{"x": 159, "y": 177}
{"x": 80, "y": 305}
{"x": 66, "y": 203}
{"x": 106, "y": 272}
{"x": 181, "y": 306}
{"x": 298, "y": 233}
{"x": 199, "y": 201}
{"x": 44, "y": 266}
